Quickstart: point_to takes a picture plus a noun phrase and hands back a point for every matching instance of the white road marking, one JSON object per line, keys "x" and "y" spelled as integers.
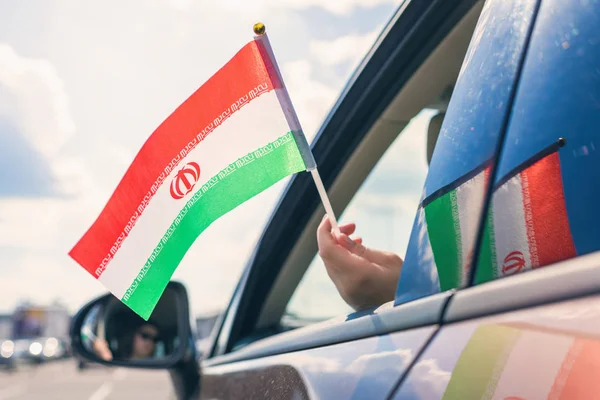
{"x": 12, "y": 391}
{"x": 104, "y": 390}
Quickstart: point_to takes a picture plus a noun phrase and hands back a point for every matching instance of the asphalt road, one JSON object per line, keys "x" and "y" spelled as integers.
{"x": 62, "y": 381}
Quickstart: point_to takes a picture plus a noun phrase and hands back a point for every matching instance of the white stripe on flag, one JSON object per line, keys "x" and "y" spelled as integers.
{"x": 255, "y": 125}
{"x": 510, "y": 229}
{"x": 470, "y": 199}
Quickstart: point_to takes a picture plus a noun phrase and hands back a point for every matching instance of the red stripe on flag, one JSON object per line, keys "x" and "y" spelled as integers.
{"x": 245, "y": 76}
{"x": 546, "y": 217}
{"x": 578, "y": 375}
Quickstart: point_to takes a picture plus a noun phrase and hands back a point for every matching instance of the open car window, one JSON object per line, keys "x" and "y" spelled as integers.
{"x": 410, "y": 69}
{"x": 383, "y": 210}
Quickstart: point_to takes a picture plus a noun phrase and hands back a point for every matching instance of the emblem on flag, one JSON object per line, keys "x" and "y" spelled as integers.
{"x": 514, "y": 262}
{"x": 527, "y": 219}
{"x": 185, "y": 180}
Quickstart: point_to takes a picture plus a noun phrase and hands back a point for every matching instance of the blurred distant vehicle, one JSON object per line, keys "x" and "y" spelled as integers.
{"x": 5, "y": 326}
{"x": 27, "y": 350}
{"x": 7, "y": 350}
{"x": 29, "y": 321}
{"x": 35, "y": 350}
{"x": 53, "y": 349}
{"x": 38, "y": 334}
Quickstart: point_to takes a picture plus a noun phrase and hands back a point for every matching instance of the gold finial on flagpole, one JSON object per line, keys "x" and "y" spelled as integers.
{"x": 259, "y": 28}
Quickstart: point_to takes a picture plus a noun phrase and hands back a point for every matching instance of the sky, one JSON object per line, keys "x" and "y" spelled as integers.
{"x": 82, "y": 86}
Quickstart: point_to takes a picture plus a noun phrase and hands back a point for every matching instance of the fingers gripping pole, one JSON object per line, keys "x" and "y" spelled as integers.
{"x": 325, "y": 199}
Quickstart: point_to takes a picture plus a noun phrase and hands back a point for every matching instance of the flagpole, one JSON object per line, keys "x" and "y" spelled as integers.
{"x": 294, "y": 123}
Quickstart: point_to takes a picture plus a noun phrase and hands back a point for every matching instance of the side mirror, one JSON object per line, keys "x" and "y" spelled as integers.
{"x": 106, "y": 331}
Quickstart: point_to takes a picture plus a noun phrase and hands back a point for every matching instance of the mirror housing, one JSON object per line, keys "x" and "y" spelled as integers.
{"x": 106, "y": 321}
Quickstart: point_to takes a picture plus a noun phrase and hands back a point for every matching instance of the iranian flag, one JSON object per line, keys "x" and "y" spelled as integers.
{"x": 527, "y": 225}
{"x": 233, "y": 138}
{"x": 452, "y": 216}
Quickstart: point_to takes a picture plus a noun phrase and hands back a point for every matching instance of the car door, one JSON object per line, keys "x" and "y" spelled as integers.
{"x": 530, "y": 328}
{"x": 257, "y": 351}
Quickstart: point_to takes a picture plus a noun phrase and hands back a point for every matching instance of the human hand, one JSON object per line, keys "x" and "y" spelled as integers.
{"x": 364, "y": 277}
{"x": 102, "y": 350}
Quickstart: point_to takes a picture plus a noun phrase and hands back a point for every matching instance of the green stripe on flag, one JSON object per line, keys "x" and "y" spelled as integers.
{"x": 271, "y": 163}
{"x": 486, "y": 265}
{"x": 481, "y": 363}
{"x": 443, "y": 228}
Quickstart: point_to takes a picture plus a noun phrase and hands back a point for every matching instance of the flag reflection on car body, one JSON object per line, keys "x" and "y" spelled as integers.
{"x": 504, "y": 361}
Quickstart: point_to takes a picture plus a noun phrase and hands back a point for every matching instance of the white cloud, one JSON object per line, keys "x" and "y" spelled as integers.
{"x": 350, "y": 48}
{"x": 311, "y": 98}
{"x": 365, "y": 368}
{"x": 337, "y": 7}
{"x": 428, "y": 380}
{"x": 381, "y": 361}
{"x": 41, "y": 278}
{"x": 314, "y": 364}
{"x": 33, "y": 97}
{"x": 37, "y": 99}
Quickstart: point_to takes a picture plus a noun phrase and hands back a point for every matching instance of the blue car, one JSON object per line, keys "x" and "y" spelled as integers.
{"x": 468, "y": 142}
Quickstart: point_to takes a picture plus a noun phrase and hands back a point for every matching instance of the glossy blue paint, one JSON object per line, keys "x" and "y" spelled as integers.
{"x": 543, "y": 346}
{"x": 361, "y": 369}
{"x": 559, "y": 96}
{"x": 472, "y": 128}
